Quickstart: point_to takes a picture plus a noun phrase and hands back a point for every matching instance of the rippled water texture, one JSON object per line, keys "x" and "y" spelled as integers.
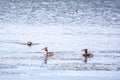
{"x": 65, "y": 27}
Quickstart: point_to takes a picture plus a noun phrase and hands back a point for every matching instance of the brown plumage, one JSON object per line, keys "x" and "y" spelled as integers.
{"x": 48, "y": 54}
{"x": 86, "y": 54}
{"x": 29, "y": 43}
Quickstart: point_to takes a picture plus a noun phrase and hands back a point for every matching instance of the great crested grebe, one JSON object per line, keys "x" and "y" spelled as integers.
{"x": 87, "y": 55}
{"x": 29, "y": 43}
{"x": 48, "y": 54}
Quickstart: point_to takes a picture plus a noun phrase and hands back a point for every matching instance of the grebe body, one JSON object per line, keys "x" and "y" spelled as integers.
{"x": 48, "y": 54}
{"x": 86, "y": 54}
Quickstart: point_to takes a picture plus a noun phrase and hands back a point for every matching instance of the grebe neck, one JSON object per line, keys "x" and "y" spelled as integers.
{"x": 86, "y": 51}
{"x": 46, "y": 52}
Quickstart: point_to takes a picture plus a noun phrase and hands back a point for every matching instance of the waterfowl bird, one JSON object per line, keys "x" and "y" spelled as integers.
{"x": 87, "y": 55}
{"x": 76, "y": 12}
{"x": 29, "y": 43}
{"x": 48, "y": 54}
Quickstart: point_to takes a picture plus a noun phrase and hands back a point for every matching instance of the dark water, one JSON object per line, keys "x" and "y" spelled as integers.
{"x": 53, "y": 12}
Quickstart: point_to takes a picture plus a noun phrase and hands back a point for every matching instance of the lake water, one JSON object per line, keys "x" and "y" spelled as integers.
{"x": 65, "y": 27}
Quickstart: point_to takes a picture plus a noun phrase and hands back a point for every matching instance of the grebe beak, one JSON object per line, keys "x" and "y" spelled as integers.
{"x": 43, "y": 49}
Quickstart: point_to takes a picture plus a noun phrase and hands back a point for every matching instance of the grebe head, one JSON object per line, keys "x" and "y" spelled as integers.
{"x": 29, "y": 43}
{"x": 84, "y": 49}
{"x": 46, "y": 49}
